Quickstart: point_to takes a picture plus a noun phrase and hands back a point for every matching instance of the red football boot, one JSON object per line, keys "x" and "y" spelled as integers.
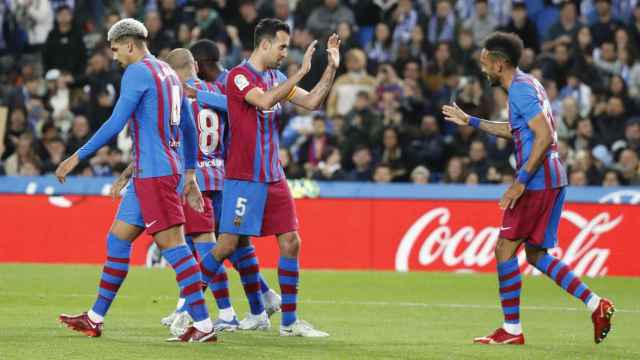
{"x": 194, "y": 335}
{"x": 500, "y": 337}
{"x": 601, "y": 318}
{"x": 81, "y": 323}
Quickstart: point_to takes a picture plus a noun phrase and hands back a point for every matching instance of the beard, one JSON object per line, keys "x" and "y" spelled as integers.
{"x": 494, "y": 80}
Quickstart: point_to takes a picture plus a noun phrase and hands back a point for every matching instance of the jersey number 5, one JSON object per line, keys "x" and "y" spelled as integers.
{"x": 208, "y": 124}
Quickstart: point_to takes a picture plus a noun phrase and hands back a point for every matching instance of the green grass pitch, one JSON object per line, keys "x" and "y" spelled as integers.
{"x": 370, "y": 315}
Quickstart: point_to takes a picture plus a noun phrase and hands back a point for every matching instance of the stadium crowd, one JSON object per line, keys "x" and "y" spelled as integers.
{"x": 402, "y": 60}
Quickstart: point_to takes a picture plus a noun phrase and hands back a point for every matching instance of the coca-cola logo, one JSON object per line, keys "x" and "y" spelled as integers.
{"x": 471, "y": 249}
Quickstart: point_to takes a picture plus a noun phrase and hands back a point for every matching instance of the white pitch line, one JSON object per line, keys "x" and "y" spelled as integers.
{"x": 357, "y": 303}
{"x": 451, "y": 306}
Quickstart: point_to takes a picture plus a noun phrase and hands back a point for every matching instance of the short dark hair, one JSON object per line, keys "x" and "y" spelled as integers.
{"x": 505, "y": 45}
{"x": 267, "y": 28}
{"x": 205, "y": 51}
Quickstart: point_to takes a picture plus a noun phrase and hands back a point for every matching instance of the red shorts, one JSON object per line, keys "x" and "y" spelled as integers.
{"x": 279, "y": 211}
{"x": 535, "y": 218}
{"x": 160, "y": 204}
{"x": 199, "y": 222}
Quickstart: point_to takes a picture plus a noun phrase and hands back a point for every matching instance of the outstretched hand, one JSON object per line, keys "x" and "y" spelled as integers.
{"x": 333, "y": 50}
{"x": 455, "y": 114}
{"x": 308, "y": 55}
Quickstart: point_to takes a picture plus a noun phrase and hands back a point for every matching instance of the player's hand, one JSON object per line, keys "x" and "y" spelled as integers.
{"x": 66, "y": 167}
{"x": 333, "y": 50}
{"x": 189, "y": 91}
{"x": 511, "y": 196}
{"x": 455, "y": 114}
{"x": 192, "y": 195}
{"x": 306, "y": 61}
{"x": 117, "y": 186}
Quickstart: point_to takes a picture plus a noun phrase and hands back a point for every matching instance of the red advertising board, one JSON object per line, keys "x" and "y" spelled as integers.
{"x": 402, "y": 235}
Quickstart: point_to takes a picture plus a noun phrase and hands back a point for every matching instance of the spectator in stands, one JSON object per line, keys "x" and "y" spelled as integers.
{"x": 481, "y": 23}
{"x": 559, "y": 66}
{"x": 312, "y": 150}
{"x": 628, "y": 166}
{"x": 403, "y": 20}
{"x": 291, "y": 169}
{"x": 604, "y": 28}
{"x": 435, "y": 70}
{"x": 330, "y": 166}
{"x": 65, "y": 49}
{"x": 100, "y": 162}
{"x": 247, "y": 22}
{"x": 80, "y": 133}
{"x": 611, "y": 178}
{"x": 346, "y": 87}
{"x": 632, "y": 134}
{"x": 578, "y": 178}
{"x": 524, "y": 27}
{"x": 36, "y": 18}
{"x": 379, "y": 49}
{"x": 17, "y": 126}
{"x": 382, "y": 174}
{"x": 325, "y": 18}
{"x": 568, "y": 120}
{"x": 565, "y": 29}
{"x": 478, "y": 162}
{"x": 420, "y": 175}
{"x": 428, "y": 146}
{"x": 454, "y": 173}
{"x": 634, "y": 24}
{"x": 442, "y": 24}
{"x": 585, "y": 163}
{"x": 24, "y": 161}
{"x": 584, "y": 136}
{"x": 362, "y": 165}
{"x": 55, "y": 154}
{"x": 610, "y": 125}
{"x": 392, "y": 153}
{"x": 580, "y": 91}
{"x": 158, "y": 38}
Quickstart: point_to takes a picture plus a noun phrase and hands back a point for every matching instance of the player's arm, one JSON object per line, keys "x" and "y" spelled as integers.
{"x": 212, "y": 99}
{"x": 312, "y": 100}
{"x": 191, "y": 192}
{"x": 121, "y": 181}
{"x": 543, "y": 138}
{"x": 133, "y": 87}
{"x": 459, "y": 117}
{"x": 265, "y": 100}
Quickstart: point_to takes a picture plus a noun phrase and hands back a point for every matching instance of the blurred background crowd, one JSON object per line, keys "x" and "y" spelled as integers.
{"x": 401, "y": 61}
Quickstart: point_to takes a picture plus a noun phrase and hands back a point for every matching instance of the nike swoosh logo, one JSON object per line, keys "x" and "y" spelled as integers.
{"x": 505, "y": 228}
{"x": 151, "y": 223}
{"x": 93, "y": 326}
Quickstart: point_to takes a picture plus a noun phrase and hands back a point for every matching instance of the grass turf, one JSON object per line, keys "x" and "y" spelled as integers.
{"x": 370, "y": 315}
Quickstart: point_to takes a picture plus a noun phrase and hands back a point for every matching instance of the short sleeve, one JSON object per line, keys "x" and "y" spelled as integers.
{"x": 135, "y": 82}
{"x": 524, "y": 101}
{"x": 282, "y": 78}
{"x": 239, "y": 83}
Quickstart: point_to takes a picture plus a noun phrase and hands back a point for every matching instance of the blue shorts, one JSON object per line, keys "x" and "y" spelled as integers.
{"x": 216, "y": 201}
{"x": 129, "y": 209}
{"x": 257, "y": 209}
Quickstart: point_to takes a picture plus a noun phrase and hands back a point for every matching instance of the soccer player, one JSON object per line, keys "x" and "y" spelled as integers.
{"x": 533, "y": 203}
{"x": 151, "y": 100}
{"x": 256, "y": 200}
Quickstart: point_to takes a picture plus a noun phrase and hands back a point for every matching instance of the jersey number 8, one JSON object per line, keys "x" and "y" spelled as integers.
{"x": 208, "y": 124}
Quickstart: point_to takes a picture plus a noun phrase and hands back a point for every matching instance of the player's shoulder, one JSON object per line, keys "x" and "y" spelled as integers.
{"x": 138, "y": 71}
{"x": 522, "y": 87}
{"x": 240, "y": 77}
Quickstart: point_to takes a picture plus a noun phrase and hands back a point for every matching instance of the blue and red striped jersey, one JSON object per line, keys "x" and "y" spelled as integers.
{"x": 527, "y": 98}
{"x": 151, "y": 102}
{"x": 211, "y": 127}
{"x": 254, "y": 141}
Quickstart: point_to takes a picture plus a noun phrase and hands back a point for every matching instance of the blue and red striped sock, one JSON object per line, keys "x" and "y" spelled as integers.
{"x": 288, "y": 270}
{"x": 219, "y": 283}
{"x": 114, "y": 272}
{"x": 189, "y": 280}
{"x": 249, "y": 275}
{"x": 561, "y": 273}
{"x": 264, "y": 287}
{"x": 510, "y": 282}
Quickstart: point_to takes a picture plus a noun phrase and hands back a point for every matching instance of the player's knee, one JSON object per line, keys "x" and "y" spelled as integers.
{"x": 533, "y": 254}
{"x": 289, "y": 244}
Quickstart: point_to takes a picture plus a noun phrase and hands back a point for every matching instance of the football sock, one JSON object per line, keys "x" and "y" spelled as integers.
{"x": 189, "y": 280}
{"x": 288, "y": 278}
{"x": 510, "y": 282}
{"x": 249, "y": 274}
{"x": 561, "y": 273}
{"x": 264, "y": 288}
{"x": 113, "y": 274}
{"x": 219, "y": 284}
